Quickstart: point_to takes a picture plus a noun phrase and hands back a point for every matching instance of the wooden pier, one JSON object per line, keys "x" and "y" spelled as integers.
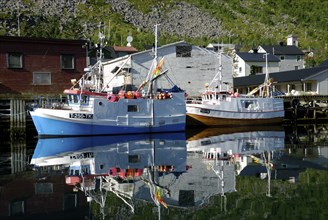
{"x": 306, "y": 109}
{"x": 14, "y": 117}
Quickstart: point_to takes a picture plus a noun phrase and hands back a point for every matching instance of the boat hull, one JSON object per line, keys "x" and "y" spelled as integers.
{"x": 47, "y": 126}
{"x": 236, "y": 112}
{"x": 107, "y": 118}
{"x": 199, "y": 120}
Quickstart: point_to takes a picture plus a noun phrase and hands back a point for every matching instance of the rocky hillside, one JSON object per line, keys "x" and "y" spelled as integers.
{"x": 181, "y": 20}
{"x": 247, "y": 23}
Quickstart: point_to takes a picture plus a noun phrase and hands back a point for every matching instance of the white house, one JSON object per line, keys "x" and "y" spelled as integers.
{"x": 254, "y": 63}
{"x": 291, "y": 57}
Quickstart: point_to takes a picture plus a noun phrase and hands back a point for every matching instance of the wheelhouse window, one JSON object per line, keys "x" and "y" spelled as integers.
{"x": 15, "y": 60}
{"x": 133, "y": 108}
{"x": 249, "y": 105}
{"x": 75, "y": 99}
{"x": 67, "y": 61}
{"x": 41, "y": 78}
{"x": 84, "y": 99}
{"x": 183, "y": 51}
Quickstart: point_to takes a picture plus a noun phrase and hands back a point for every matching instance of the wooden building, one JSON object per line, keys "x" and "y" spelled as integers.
{"x": 40, "y": 66}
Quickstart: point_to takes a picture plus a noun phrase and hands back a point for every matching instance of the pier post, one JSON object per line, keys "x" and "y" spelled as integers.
{"x": 17, "y": 117}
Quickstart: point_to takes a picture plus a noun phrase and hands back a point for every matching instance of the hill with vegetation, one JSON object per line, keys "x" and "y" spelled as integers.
{"x": 247, "y": 23}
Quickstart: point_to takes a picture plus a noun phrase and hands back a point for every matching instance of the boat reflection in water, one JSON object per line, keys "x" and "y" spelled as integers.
{"x": 238, "y": 145}
{"x": 139, "y": 166}
{"x": 229, "y": 155}
{"x": 164, "y": 169}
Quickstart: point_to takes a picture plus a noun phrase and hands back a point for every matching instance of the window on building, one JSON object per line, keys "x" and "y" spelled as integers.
{"x": 183, "y": 51}
{"x": 240, "y": 69}
{"x": 282, "y": 57}
{"x": 291, "y": 87}
{"x": 42, "y": 188}
{"x": 17, "y": 208}
{"x": 15, "y": 60}
{"x": 308, "y": 87}
{"x": 256, "y": 69}
{"x": 296, "y": 67}
{"x": 298, "y": 57}
{"x": 41, "y": 78}
{"x": 67, "y": 61}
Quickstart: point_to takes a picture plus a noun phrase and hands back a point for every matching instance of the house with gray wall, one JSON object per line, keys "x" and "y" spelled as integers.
{"x": 189, "y": 67}
{"x": 273, "y": 58}
{"x": 291, "y": 57}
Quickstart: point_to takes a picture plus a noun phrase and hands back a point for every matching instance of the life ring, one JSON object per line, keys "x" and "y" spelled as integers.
{"x": 112, "y": 98}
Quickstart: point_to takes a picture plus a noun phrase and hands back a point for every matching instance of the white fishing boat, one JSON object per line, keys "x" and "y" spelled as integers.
{"x": 219, "y": 106}
{"x": 91, "y": 108}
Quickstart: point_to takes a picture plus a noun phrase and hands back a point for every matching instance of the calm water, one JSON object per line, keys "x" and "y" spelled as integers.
{"x": 244, "y": 173}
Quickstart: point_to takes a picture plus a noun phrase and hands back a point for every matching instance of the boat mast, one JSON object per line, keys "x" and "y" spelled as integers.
{"x": 101, "y": 38}
{"x": 220, "y": 68}
{"x": 151, "y": 87}
{"x": 266, "y": 74}
{"x": 156, "y": 25}
{"x": 218, "y": 77}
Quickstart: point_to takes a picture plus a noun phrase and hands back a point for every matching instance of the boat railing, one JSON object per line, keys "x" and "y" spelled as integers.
{"x": 194, "y": 100}
{"x": 60, "y": 103}
{"x": 49, "y": 102}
